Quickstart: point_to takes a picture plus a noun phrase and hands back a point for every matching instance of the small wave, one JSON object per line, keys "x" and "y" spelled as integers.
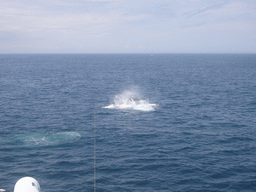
{"x": 47, "y": 139}
{"x": 131, "y": 100}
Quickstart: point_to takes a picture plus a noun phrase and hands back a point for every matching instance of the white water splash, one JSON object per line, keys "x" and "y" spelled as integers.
{"x": 131, "y": 100}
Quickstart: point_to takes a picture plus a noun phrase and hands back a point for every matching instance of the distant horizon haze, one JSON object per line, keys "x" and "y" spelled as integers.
{"x": 122, "y": 26}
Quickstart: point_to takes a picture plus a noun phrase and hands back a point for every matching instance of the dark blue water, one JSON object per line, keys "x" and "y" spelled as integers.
{"x": 191, "y": 127}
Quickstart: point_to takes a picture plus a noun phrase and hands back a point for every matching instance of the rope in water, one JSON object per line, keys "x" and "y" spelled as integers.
{"x": 94, "y": 155}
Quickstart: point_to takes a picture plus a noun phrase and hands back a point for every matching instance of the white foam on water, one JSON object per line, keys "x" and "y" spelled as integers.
{"x": 47, "y": 139}
{"x": 131, "y": 100}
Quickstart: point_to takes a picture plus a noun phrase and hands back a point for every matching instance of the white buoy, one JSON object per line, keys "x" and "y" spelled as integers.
{"x": 27, "y": 184}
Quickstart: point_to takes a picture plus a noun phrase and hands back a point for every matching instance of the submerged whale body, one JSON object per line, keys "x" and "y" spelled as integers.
{"x": 47, "y": 139}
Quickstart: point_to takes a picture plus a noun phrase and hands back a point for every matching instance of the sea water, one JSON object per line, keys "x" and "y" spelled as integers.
{"x": 134, "y": 122}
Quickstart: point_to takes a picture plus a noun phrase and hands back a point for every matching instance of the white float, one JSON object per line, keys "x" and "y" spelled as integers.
{"x": 27, "y": 184}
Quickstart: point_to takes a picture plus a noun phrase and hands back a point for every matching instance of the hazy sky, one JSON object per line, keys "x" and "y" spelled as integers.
{"x": 127, "y": 26}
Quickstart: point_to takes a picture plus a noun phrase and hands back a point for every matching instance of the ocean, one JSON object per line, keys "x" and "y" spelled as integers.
{"x": 129, "y": 122}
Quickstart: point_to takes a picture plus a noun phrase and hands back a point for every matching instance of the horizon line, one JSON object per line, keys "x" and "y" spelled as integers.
{"x": 125, "y": 53}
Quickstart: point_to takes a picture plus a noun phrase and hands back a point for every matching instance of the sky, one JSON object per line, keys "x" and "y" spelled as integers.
{"x": 127, "y": 26}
